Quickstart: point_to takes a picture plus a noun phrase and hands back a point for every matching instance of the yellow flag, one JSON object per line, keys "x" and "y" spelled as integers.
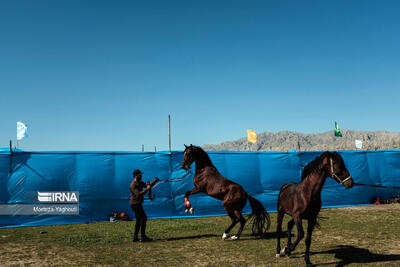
{"x": 251, "y": 136}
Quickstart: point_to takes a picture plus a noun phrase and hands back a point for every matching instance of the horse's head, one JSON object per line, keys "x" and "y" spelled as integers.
{"x": 188, "y": 157}
{"x": 338, "y": 171}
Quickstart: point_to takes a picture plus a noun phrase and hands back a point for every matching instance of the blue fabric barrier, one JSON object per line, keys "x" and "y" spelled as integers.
{"x": 103, "y": 178}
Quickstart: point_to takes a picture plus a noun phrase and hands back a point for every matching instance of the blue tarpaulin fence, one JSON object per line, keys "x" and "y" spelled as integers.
{"x": 103, "y": 178}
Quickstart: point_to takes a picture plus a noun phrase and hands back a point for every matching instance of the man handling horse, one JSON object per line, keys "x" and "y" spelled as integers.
{"x": 137, "y": 196}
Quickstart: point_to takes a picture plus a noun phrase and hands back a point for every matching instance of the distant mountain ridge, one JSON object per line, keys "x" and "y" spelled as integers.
{"x": 286, "y": 141}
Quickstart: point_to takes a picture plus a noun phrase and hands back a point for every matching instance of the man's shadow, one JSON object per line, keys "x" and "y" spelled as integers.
{"x": 189, "y": 237}
{"x": 350, "y": 254}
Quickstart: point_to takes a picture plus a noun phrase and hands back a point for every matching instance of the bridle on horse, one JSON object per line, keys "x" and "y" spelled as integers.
{"x": 189, "y": 158}
{"x": 337, "y": 177}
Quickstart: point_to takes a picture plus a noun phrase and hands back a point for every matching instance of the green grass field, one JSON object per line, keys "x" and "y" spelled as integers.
{"x": 356, "y": 236}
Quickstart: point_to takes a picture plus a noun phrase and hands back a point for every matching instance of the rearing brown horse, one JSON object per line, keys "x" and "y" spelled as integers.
{"x": 303, "y": 200}
{"x": 208, "y": 180}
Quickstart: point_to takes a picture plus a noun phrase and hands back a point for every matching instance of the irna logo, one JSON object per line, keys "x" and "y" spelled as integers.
{"x": 58, "y": 197}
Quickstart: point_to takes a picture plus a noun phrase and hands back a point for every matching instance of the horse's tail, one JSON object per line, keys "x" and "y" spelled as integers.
{"x": 260, "y": 217}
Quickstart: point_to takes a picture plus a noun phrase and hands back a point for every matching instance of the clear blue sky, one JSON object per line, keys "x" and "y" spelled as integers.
{"x": 104, "y": 75}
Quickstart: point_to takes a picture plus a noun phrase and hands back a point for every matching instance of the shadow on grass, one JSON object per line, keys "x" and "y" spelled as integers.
{"x": 190, "y": 237}
{"x": 274, "y": 235}
{"x": 271, "y": 235}
{"x": 350, "y": 254}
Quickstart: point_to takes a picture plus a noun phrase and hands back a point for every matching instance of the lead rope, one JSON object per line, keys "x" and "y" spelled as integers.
{"x": 188, "y": 172}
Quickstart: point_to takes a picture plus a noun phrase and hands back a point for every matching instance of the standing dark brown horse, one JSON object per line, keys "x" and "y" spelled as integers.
{"x": 208, "y": 180}
{"x": 303, "y": 200}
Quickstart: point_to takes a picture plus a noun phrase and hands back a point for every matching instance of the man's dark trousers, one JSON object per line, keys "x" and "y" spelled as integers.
{"x": 141, "y": 220}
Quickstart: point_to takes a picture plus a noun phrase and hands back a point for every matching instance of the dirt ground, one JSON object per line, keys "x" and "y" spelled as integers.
{"x": 395, "y": 206}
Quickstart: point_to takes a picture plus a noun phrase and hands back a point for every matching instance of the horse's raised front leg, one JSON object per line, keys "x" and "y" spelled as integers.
{"x": 188, "y": 206}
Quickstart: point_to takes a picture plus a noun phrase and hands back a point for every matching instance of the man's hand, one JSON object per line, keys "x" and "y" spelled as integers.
{"x": 156, "y": 180}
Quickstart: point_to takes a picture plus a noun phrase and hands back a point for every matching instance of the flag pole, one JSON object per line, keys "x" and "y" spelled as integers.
{"x": 169, "y": 132}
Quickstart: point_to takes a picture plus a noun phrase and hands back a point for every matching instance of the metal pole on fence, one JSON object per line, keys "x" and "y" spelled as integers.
{"x": 10, "y": 170}
{"x": 169, "y": 132}
{"x": 298, "y": 143}
{"x": 169, "y": 143}
{"x": 142, "y": 148}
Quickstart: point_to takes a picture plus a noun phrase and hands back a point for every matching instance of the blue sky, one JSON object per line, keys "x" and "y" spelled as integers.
{"x": 104, "y": 75}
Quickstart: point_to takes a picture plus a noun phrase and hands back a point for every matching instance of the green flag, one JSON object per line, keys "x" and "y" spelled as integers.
{"x": 337, "y": 130}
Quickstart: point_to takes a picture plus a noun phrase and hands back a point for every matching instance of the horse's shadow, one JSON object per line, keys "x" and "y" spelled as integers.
{"x": 350, "y": 254}
{"x": 267, "y": 235}
{"x": 274, "y": 235}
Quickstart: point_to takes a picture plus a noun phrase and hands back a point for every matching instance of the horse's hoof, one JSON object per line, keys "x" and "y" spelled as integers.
{"x": 224, "y": 236}
{"x": 191, "y": 210}
{"x": 234, "y": 237}
{"x": 282, "y": 254}
{"x": 287, "y": 251}
{"x": 277, "y": 255}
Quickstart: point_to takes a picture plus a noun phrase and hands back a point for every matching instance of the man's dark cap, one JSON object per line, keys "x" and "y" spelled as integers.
{"x": 137, "y": 172}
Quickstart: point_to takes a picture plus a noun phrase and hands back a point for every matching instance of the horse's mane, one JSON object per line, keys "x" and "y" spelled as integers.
{"x": 203, "y": 156}
{"x": 313, "y": 166}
